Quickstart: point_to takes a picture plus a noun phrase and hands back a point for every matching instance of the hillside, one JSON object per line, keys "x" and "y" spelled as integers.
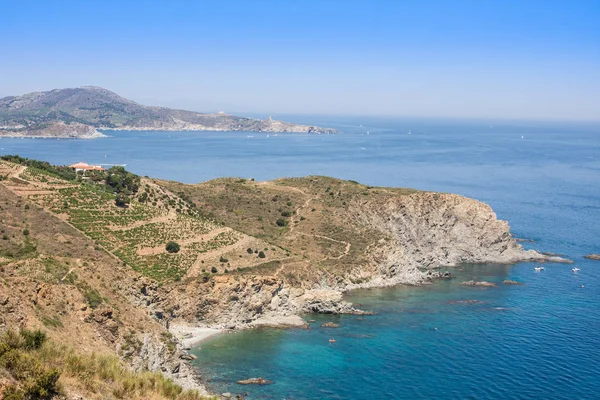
{"x": 80, "y": 112}
{"x": 88, "y": 259}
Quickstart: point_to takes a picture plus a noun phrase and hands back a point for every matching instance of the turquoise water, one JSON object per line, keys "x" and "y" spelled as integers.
{"x": 447, "y": 341}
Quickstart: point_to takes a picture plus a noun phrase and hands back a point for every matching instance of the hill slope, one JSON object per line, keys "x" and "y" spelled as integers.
{"x": 86, "y": 258}
{"x": 79, "y": 112}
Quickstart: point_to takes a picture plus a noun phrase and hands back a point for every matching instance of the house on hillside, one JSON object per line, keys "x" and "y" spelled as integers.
{"x": 81, "y": 166}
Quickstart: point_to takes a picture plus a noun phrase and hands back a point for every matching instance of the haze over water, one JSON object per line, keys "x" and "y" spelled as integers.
{"x": 538, "y": 340}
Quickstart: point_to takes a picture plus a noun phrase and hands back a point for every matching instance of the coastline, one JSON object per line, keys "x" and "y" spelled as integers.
{"x": 189, "y": 335}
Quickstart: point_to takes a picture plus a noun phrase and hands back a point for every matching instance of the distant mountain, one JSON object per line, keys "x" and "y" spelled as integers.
{"x": 81, "y": 112}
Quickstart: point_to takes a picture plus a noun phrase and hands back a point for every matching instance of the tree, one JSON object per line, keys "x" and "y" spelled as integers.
{"x": 261, "y": 254}
{"x": 249, "y": 250}
{"x": 213, "y": 270}
{"x": 122, "y": 200}
{"x": 223, "y": 259}
{"x": 172, "y": 247}
{"x": 281, "y": 222}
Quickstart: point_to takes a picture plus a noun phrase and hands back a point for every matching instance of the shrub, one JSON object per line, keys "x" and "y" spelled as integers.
{"x": 249, "y": 250}
{"x": 286, "y": 214}
{"x": 261, "y": 254}
{"x": 92, "y": 297}
{"x": 281, "y": 222}
{"x": 33, "y": 340}
{"x": 213, "y": 270}
{"x": 25, "y": 232}
{"x": 122, "y": 200}
{"x": 223, "y": 260}
{"x": 173, "y": 247}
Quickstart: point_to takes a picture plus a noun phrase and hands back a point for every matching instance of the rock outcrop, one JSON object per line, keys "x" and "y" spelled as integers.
{"x": 423, "y": 233}
{"x": 432, "y": 230}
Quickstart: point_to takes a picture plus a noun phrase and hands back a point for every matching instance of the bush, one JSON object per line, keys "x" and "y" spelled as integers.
{"x": 92, "y": 297}
{"x": 33, "y": 340}
{"x": 261, "y": 254}
{"x": 286, "y": 214}
{"x": 223, "y": 260}
{"x": 122, "y": 181}
{"x": 25, "y": 232}
{"x": 213, "y": 270}
{"x": 281, "y": 222}
{"x": 173, "y": 247}
{"x": 249, "y": 250}
{"x": 122, "y": 200}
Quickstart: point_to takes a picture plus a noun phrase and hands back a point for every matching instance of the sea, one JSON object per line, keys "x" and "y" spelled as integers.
{"x": 537, "y": 340}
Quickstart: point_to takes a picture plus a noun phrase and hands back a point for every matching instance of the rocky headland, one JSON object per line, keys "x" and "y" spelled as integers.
{"x": 83, "y": 112}
{"x": 248, "y": 254}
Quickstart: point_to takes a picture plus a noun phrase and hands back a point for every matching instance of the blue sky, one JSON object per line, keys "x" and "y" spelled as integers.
{"x": 496, "y": 59}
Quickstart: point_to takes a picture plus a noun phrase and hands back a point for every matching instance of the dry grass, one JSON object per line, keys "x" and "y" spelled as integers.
{"x": 36, "y": 369}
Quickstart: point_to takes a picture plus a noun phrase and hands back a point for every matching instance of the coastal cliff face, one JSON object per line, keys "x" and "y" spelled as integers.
{"x": 80, "y": 112}
{"x": 420, "y": 234}
{"x": 432, "y": 230}
{"x": 97, "y": 275}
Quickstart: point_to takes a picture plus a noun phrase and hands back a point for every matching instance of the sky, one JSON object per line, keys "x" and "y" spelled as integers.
{"x": 430, "y": 58}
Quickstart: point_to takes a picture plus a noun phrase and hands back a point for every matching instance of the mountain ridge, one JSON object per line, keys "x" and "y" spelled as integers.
{"x": 83, "y": 111}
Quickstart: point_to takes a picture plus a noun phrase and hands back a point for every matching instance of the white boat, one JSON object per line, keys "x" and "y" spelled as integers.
{"x": 538, "y": 268}
{"x": 575, "y": 269}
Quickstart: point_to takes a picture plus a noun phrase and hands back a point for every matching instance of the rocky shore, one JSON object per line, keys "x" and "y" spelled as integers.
{"x": 427, "y": 234}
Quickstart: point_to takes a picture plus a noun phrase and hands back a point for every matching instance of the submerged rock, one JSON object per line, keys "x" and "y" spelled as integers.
{"x": 478, "y": 283}
{"x": 254, "y": 381}
{"x": 509, "y": 282}
{"x": 330, "y": 325}
{"x": 593, "y": 257}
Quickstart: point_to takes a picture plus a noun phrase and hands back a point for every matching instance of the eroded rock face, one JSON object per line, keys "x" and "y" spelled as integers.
{"x": 430, "y": 230}
{"x": 423, "y": 233}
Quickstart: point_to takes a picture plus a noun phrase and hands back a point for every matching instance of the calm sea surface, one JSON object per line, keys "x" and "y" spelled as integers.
{"x": 444, "y": 341}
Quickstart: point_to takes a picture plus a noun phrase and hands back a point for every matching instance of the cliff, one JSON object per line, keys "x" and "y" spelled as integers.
{"x": 81, "y": 112}
{"x": 95, "y": 272}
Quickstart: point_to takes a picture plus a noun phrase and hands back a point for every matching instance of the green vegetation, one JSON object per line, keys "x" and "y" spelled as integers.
{"x": 91, "y": 296}
{"x": 281, "y": 222}
{"x": 261, "y": 254}
{"x": 122, "y": 181}
{"x": 33, "y": 368}
{"x": 173, "y": 247}
{"x": 62, "y": 172}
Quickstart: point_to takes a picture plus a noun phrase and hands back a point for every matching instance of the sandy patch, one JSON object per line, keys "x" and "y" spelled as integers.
{"x": 192, "y": 335}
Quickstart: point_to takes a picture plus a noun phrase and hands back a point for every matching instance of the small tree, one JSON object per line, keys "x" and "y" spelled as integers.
{"x": 223, "y": 259}
{"x": 213, "y": 270}
{"x": 25, "y": 232}
{"x": 261, "y": 254}
{"x": 281, "y": 222}
{"x": 172, "y": 247}
{"x": 249, "y": 250}
{"x": 122, "y": 200}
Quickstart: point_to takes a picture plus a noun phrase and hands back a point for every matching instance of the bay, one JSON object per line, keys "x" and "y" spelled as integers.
{"x": 447, "y": 341}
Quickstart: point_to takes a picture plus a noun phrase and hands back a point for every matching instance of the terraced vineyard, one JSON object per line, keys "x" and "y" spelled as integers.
{"x": 138, "y": 233}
